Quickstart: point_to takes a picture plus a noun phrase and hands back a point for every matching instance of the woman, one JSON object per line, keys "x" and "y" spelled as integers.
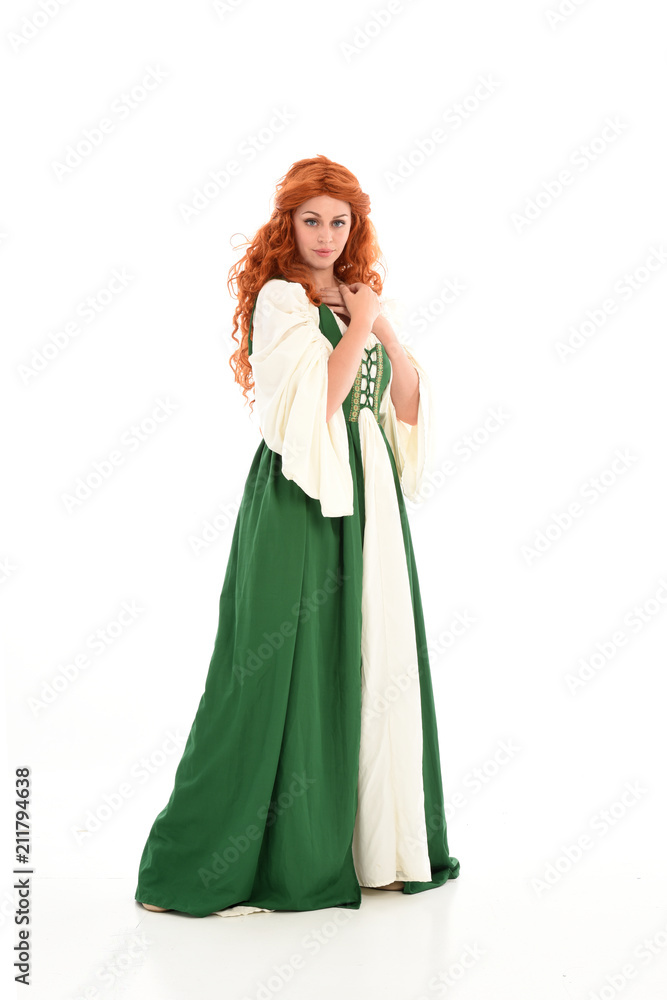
{"x": 312, "y": 766}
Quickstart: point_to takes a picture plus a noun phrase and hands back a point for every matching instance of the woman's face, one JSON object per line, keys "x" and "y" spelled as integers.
{"x": 321, "y": 223}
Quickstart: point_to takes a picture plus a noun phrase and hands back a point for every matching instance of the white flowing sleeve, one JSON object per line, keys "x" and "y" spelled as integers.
{"x": 289, "y": 360}
{"x": 413, "y": 445}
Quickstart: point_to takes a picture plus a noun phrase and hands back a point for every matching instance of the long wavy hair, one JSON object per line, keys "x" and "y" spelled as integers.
{"x": 273, "y": 250}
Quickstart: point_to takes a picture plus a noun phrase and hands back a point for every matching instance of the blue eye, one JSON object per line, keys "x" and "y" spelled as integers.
{"x": 339, "y": 221}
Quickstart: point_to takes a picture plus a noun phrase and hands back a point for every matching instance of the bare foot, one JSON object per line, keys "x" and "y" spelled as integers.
{"x": 391, "y": 885}
{"x": 159, "y": 909}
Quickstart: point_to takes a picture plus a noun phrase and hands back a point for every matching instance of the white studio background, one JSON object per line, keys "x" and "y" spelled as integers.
{"x": 515, "y": 159}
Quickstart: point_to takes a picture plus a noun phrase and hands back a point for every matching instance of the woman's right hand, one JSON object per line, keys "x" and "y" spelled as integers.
{"x": 361, "y": 302}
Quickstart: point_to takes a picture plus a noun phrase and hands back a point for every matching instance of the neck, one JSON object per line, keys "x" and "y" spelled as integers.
{"x": 324, "y": 279}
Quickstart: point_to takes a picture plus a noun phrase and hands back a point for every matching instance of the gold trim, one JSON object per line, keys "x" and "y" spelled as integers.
{"x": 372, "y": 356}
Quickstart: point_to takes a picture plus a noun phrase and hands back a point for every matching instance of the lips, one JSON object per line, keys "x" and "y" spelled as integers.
{"x": 324, "y": 253}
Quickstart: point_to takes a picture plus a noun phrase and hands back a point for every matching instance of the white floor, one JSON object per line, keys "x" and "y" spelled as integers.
{"x": 474, "y": 939}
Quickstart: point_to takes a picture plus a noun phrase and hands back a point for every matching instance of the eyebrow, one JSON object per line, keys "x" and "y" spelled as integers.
{"x": 343, "y": 215}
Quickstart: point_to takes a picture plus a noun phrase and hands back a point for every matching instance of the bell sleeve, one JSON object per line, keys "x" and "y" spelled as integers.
{"x": 289, "y": 360}
{"x": 413, "y": 445}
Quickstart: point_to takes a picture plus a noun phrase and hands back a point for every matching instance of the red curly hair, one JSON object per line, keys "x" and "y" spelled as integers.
{"x": 273, "y": 250}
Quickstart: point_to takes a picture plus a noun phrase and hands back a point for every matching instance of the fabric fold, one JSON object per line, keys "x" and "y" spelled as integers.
{"x": 289, "y": 360}
{"x": 413, "y": 445}
{"x": 390, "y": 837}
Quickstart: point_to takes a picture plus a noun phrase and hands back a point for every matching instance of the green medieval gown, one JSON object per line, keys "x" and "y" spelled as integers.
{"x": 312, "y": 766}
